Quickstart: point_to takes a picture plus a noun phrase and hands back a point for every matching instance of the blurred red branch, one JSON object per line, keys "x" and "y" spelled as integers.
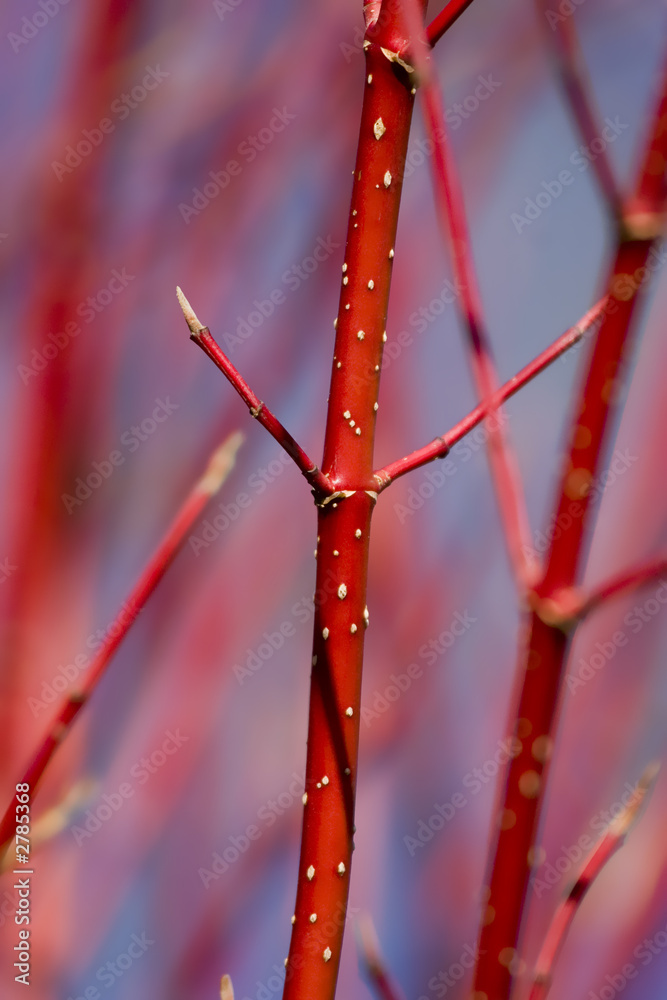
{"x": 450, "y": 207}
{"x": 219, "y": 467}
{"x": 373, "y": 964}
{"x": 543, "y": 658}
{"x": 619, "y": 585}
{"x": 571, "y": 70}
{"x": 609, "y": 843}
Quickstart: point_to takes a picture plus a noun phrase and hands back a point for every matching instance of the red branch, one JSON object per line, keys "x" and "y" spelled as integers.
{"x": 542, "y": 661}
{"x": 440, "y": 447}
{"x": 445, "y": 19}
{"x": 219, "y": 467}
{"x": 202, "y": 336}
{"x": 451, "y": 212}
{"x": 344, "y": 519}
{"x": 372, "y": 963}
{"x": 609, "y": 843}
{"x": 624, "y": 583}
{"x": 572, "y": 73}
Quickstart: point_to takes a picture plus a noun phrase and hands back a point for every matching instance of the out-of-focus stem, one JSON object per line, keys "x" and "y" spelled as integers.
{"x": 609, "y": 843}
{"x": 219, "y": 467}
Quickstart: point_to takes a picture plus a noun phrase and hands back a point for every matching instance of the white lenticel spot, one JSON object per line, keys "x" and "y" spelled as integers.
{"x": 310, "y": 874}
{"x": 325, "y": 633}
{"x": 379, "y": 129}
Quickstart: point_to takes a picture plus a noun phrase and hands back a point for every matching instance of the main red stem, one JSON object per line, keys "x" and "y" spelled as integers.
{"x": 344, "y": 518}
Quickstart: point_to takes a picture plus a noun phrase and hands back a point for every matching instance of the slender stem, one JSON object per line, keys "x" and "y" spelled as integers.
{"x": 450, "y": 207}
{"x": 344, "y": 518}
{"x": 608, "y": 844}
{"x": 442, "y": 445}
{"x": 445, "y": 19}
{"x": 373, "y": 964}
{"x": 202, "y": 336}
{"x": 542, "y": 660}
{"x": 219, "y": 467}
{"x": 576, "y": 84}
{"x": 619, "y": 585}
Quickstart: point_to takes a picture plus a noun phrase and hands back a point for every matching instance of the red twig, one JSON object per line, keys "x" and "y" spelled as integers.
{"x": 373, "y": 965}
{"x": 624, "y": 583}
{"x": 574, "y": 79}
{"x": 202, "y": 336}
{"x": 344, "y": 518}
{"x": 609, "y": 843}
{"x": 445, "y": 19}
{"x": 450, "y": 206}
{"x": 440, "y": 447}
{"x": 542, "y": 661}
{"x": 220, "y": 464}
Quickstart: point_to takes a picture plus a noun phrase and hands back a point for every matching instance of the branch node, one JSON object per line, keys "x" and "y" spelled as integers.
{"x": 640, "y": 222}
{"x": 333, "y": 497}
{"x": 559, "y": 610}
